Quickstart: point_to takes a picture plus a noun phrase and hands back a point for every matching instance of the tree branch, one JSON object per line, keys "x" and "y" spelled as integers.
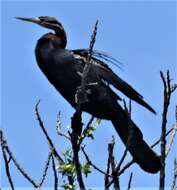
{"x": 55, "y": 174}
{"x": 76, "y": 121}
{"x": 91, "y": 163}
{"x": 22, "y": 171}
{"x": 130, "y": 180}
{"x": 3, "y": 145}
{"x": 51, "y": 145}
{"x": 45, "y": 170}
{"x": 168, "y": 90}
{"x": 174, "y": 175}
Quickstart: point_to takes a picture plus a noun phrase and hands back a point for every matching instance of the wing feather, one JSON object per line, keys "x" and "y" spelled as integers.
{"x": 109, "y": 76}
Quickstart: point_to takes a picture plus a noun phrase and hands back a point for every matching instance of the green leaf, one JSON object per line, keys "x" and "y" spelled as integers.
{"x": 86, "y": 169}
{"x": 67, "y": 169}
{"x": 67, "y": 154}
{"x": 67, "y": 186}
{"x": 89, "y": 132}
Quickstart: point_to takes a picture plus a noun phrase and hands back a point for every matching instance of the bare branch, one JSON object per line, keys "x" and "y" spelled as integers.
{"x": 174, "y": 175}
{"x": 3, "y": 145}
{"x": 130, "y": 180}
{"x": 55, "y": 174}
{"x": 58, "y": 128}
{"x": 91, "y": 163}
{"x": 167, "y": 95}
{"x": 122, "y": 159}
{"x": 106, "y": 180}
{"x": 159, "y": 140}
{"x": 85, "y": 130}
{"x": 81, "y": 94}
{"x": 88, "y": 63}
{"x": 172, "y": 138}
{"x": 22, "y": 171}
{"x": 126, "y": 167}
{"x": 128, "y": 112}
{"x": 45, "y": 170}
{"x": 115, "y": 176}
{"x": 76, "y": 124}
{"x": 51, "y": 145}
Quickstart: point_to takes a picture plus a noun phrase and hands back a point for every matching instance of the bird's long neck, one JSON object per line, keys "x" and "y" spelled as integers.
{"x": 49, "y": 42}
{"x": 61, "y": 35}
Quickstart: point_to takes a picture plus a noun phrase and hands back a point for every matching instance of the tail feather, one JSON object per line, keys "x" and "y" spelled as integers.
{"x": 132, "y": 137}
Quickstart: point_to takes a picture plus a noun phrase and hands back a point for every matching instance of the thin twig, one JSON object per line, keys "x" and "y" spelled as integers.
{"x": 85, "y": 130}
{"x": 45, "y": 170}
{"x": 167, "y": 95}
{"x": 122, "y": 159}
{"x": 115, "y": 176}
{"x": 128, "y": 112}
{"x": 58, "y": 128}
{"x": 76, "y": 126}
{"x": 55, "y": 174}
{"x": 88, "y": 63}
{"x": 174, "y": 176}
{"x": 172, "y": 138}
{"x": 91, "y": 163}
{"x": 22, "y": 171}
{"x": 158, "y": 141}
{"x": 51, "y": 145}
{"x": 130, "y": 181}
{"x": 106, "y": 179}
{"x": 3, "y": 145}
{"x": 81, "y": 97}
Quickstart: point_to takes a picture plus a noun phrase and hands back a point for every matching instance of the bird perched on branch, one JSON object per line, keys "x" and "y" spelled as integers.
{"x": 63, "y": 68}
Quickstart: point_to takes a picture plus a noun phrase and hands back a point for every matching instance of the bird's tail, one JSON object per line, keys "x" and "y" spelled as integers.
{"x": 132, "y": 137}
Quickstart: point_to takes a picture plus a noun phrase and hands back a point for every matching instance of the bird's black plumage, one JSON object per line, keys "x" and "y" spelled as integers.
{"x": 64, "y": 68}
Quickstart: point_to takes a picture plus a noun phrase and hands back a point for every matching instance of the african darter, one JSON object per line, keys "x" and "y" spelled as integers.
{"x": 63, "y": 68}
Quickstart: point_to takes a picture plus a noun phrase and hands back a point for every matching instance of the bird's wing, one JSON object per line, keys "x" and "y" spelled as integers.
{"x": 110, "y": 77}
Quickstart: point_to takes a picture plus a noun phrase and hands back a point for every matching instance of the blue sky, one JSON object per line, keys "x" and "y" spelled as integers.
{"x": 141, "y": 34}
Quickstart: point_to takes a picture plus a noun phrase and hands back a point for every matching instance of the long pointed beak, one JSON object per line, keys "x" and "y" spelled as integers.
{"x": 33, "y": 20}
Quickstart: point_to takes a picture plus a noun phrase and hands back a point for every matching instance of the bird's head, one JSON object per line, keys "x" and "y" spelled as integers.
{"x": 45, "y": 21}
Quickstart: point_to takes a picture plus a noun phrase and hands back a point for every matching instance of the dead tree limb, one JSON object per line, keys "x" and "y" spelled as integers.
{"x": 45, "y": 170}
{"x": 49, "y": 140}
{"x": 107, "y": 178}
{"x": 76, "y": 120}
{"x": 6, "y": 148}
{"x": 168, "y": 90}
{"x": 115, "y": 176}
{"x": 3, "y": 145}
{"x": 130, "y": 181}
{"x": 55, "y": 174}
{"x": 174, "y": 176}
{"x": 92, "y": 164}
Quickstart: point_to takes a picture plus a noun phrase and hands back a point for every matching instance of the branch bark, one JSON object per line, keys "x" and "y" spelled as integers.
{"x": 168, "y": 90}
{"x": 3, "y": 142}
{"x": 76, "y": 120}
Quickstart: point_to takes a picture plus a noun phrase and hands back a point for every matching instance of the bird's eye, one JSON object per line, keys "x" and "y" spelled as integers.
{"x": 50, "y": 20}
{"x": 41, "y": 18}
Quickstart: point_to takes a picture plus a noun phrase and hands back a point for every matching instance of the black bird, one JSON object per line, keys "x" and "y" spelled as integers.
{"x": 64, "y": 68}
